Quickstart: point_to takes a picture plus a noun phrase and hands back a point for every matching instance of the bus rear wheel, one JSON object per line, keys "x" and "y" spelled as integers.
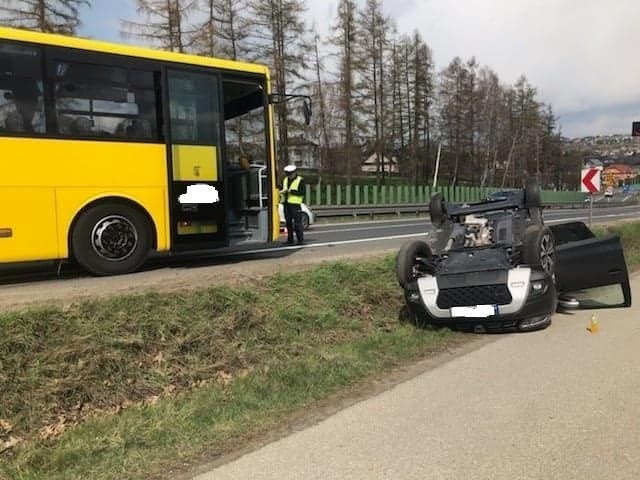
{"x": 111, "y": 239}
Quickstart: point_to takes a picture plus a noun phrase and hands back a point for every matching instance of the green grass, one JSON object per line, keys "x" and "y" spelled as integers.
{"x": 135, "y": 386}
{"x": 629, "y": 233}
{"x": 140, "y": 384}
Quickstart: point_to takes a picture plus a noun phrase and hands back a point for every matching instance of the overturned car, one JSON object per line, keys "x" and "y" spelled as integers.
{"x": 494, "y": 265}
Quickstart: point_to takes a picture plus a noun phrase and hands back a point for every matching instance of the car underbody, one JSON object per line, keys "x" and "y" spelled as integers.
{"x": 493, "y": 265}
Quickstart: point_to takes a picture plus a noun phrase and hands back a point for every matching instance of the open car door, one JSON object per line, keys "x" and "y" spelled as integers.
{"x": 590, "y": 269}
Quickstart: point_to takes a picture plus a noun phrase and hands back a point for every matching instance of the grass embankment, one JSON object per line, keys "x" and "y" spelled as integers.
{"x": 630, "y": 236}
{"x": 139, "y": 384}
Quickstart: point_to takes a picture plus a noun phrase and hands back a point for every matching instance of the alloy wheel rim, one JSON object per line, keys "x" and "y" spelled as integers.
{"x": 547, "y": 254}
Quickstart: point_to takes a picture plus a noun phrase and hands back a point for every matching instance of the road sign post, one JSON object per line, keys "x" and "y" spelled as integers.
{"x": 590, "y": 182}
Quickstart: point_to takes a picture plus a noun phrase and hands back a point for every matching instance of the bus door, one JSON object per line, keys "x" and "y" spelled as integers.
{"x": 197, "y": 194}
{"x": 247, "y": 159}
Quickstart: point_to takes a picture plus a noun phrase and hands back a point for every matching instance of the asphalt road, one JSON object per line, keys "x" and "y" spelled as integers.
{"x": 40, "y": 283}
{"x": 320, "y": 234}
{"x": 561, "y": 403}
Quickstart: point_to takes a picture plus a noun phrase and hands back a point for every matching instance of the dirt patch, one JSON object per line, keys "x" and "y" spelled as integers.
{"x": 176, "y": 275}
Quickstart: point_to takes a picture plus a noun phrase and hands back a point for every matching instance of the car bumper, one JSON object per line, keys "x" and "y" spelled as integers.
{"x": 520, "y": 309}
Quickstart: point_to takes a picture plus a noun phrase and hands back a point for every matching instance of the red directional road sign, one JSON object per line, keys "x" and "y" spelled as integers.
{"x": 590, "y": 179}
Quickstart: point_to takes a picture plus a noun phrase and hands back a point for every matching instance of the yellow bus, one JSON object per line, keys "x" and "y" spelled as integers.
{"x": 109, "y": 152}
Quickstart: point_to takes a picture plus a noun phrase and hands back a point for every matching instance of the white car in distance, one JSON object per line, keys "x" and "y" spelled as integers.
{"x": 307, "y": 216}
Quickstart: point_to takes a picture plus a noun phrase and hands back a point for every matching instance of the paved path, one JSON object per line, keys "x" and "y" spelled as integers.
{"x": 557, "y": 404}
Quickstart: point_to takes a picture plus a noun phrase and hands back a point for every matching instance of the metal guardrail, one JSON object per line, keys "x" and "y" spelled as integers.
{"x": 328, "y": 211}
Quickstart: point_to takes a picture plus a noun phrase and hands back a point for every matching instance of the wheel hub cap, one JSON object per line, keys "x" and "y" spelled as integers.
{"x": 114, "y": 238}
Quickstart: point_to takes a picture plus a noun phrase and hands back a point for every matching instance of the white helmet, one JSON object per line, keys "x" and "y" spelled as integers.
{"x": 290, "y": 168}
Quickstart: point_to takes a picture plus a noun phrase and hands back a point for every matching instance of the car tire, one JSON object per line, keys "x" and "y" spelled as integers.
{"x": 407, "y": 258}
{"x": 111, "y": 239}
{"x": 437, "y": 211}
{"x": 532, "y": 197}
{"x": 305, "y": 221}
{"x": 538, "y": 248}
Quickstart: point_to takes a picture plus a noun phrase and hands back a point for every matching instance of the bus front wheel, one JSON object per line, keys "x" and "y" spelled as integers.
{"x": 111, "y": 239}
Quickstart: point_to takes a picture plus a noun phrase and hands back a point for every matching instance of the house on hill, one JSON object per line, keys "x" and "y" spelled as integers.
{"x": 619, "y": 172}
{"x": 304, "y": 153}
{"x": 390, "y": 164}
{"x": 593, "y": 162}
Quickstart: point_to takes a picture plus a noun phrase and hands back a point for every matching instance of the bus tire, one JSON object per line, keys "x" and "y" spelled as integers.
{"x": 111, "y": 239}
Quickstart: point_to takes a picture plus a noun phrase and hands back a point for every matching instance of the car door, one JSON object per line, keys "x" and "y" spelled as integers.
{"x": 590, "y": 269}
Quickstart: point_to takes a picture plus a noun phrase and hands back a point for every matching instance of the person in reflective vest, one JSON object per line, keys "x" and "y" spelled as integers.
{"x": 292, "y": 195}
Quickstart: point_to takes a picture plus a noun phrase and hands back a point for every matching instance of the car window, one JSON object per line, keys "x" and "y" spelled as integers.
{"x": 600, "y": 297}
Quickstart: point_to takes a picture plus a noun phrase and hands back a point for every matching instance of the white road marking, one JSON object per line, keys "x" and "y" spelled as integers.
{"x": 372, "y": 228}
{"x": 329, "y": 244}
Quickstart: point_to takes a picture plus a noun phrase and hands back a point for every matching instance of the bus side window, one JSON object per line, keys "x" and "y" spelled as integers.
{"x": 21, "y": 84}
{"x": 105, "y": 101}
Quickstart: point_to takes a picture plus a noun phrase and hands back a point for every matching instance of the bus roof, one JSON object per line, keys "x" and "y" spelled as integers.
{"x": 128, "y": 50}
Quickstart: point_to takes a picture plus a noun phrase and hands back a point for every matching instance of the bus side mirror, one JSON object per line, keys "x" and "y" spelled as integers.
{"x": 276, "y": 98}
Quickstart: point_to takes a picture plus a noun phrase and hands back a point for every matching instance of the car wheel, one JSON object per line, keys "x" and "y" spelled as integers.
{"x": 538, "y": 248}
{"x": 305, "y": 221}
{"x": 532, "y": 193}
{"x": 437, "y": 211}
{"x": 410, "y": 254}
{"x": 111, "y": 239}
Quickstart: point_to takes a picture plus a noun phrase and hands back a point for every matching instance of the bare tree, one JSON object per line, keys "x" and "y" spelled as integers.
{"x": 551, "y": 144}
{"x": 165, "y": 24}
{"x": 411, "y": 78}
{"x": 320, "y": 96}
{"x": 280, "y": 41}
{"x": 421, "y": 90}
{"x": 427, "y": 84}
{"x": 396, "y": 80}
{"x": 225, "y": 29}
{"x": 488, "y": 98}
{"x": 372, "y": 50}
{"x": 525, "y": 124}
{"x": 344, "y": 37}
{"x": 51, "y": 16}
{"x": 454, "y": 109}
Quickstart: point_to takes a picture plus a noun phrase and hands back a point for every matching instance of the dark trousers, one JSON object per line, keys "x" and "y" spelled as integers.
{"x": 293, "y": 217}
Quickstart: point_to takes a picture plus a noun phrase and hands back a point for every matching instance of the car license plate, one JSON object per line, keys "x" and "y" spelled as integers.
{"x": 478, "y": 311}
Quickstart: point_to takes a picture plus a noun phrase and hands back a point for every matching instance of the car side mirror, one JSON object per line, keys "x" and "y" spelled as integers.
{"x": 8, "y": 96}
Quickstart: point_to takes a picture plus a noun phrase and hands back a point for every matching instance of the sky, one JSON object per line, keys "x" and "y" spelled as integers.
{"x": 580, "y": 55}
